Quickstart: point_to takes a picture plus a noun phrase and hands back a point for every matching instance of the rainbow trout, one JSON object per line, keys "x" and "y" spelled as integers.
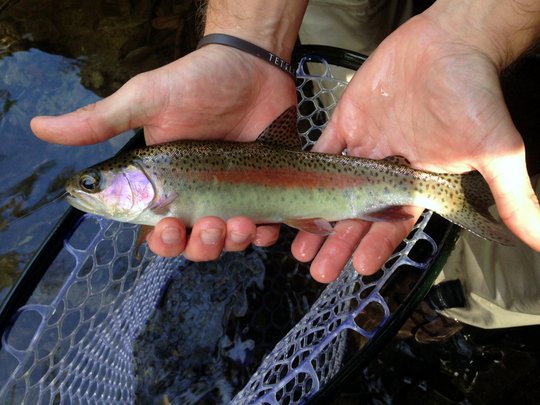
{"x": 272, "y": 180}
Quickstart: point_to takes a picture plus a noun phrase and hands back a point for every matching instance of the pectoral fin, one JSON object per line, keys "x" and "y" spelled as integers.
{"x": 162, "y": 206}
{"x": 144, "y": 230}
{"x": 317, "y": 226}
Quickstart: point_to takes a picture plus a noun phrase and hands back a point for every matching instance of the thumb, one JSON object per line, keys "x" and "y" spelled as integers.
{"x": 514, "y": 195}
{"x": 330, "y": 140}
{"x": 95, "y": 122}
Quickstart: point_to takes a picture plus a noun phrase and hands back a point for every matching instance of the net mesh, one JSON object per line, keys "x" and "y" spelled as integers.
{"x": 79, "y": 337}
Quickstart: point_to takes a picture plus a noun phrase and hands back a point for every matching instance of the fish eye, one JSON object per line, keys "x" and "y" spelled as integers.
{"x": 89, "y": 182}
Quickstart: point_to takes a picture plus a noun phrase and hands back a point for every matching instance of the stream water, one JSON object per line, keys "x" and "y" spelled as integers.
{"x": 54, "y": 58}
{"x": 32, "y": 172}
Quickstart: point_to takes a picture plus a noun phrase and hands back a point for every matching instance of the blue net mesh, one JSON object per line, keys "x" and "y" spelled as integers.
{"x": 311, "y": 353}
{"x": 74, "y": 344}
{"x": 84, "y": 335}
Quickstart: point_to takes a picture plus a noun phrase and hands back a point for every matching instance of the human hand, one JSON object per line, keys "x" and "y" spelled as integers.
{"x": 432, "y": 96}
{"x": 213, "y": 93}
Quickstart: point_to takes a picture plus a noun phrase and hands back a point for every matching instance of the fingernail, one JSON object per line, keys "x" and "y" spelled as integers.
{"x": 364, "y": 264}
{"x": 319, "y": 274}
{"x": 211, "y": 236}
{"x": 302, "y": 252}
{"x": 170, "y": 235}
{"x": 319, "y": 270}
{"x": 260, "y": 240}
{"x": 238, "y": 237}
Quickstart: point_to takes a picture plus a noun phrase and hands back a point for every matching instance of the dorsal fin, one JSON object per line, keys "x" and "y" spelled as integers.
{"x": 397, "y": 160}
{"x": 282, "y": 131}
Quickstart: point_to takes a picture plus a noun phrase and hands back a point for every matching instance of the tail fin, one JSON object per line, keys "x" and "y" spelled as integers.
{"x": 472, "y": 211}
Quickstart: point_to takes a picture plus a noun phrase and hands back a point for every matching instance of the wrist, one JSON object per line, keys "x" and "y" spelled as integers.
{"x": 249, "y": 48}
{"x": 502, "y": 30}
{"x": 272, "y": 25}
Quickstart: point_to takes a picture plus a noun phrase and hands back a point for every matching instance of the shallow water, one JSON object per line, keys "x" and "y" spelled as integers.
{"x": 54, "y": 58}
{"x": 32, "y": 172}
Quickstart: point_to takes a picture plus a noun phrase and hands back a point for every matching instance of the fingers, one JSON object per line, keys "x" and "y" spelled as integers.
{"x": 305, "y": 246}
{"x": 168, "y": 239}
{"x": 240, "y": 233}
{"x": 369, "y": 244}
{"x": 380, "y": 242}
{"x": 329, "y": 142}
{"x": 516, "y": 200}
{"x": 97, "y": 122}
{"x": 209, "y": 237}
{"x": 206, "y": 240}
{"x": 337, "y": 250}
{"x": 266, "y": 235}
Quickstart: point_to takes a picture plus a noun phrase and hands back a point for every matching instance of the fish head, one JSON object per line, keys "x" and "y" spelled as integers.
{"x": 121, "y": 194}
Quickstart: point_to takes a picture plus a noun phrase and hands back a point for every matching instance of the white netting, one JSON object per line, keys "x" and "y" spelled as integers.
{"x": 73, "y": 342}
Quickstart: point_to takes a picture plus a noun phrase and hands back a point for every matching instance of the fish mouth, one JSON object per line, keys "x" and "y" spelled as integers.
{"x": 80, "y": 201}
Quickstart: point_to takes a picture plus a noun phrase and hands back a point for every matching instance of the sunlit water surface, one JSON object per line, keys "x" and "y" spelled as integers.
{"x": 32, "y": 172}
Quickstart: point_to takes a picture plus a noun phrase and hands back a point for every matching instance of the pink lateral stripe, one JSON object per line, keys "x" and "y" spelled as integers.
{"x": 283, "y": 178}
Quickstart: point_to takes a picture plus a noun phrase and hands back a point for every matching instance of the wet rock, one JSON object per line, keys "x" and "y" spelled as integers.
{"x": 113, "y": 39}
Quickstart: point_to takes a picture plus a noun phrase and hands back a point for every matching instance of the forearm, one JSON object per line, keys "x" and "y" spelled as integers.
{"x": 273, "y": 24}
{"x": 503, "y": 29}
